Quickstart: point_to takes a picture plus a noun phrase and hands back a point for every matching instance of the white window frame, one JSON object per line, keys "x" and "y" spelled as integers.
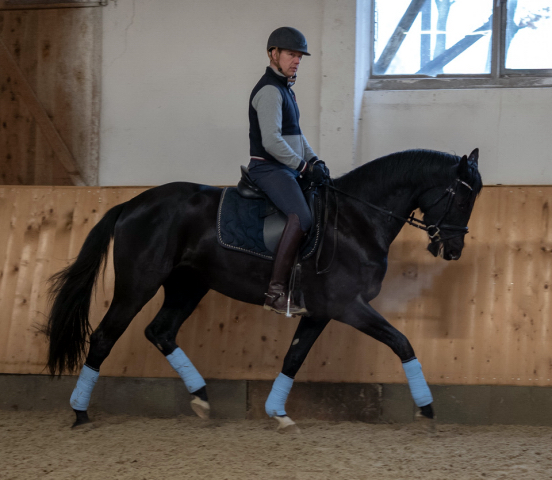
{"x": 500, "y": 76}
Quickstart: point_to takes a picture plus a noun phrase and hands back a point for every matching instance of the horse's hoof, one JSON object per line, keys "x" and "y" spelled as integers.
{"x": 286, "y": 425}
{"x": 200, "y": 407}
{"x": 82, "y": 418}
{"x": 425, "y": 423}
{"x": 427, "y": 411}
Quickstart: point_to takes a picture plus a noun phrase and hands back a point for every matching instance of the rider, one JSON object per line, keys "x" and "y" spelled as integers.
{"x": 280, "y": 154}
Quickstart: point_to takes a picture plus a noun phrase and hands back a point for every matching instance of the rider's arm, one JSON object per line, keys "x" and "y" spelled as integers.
{"x": 309, "y": 152}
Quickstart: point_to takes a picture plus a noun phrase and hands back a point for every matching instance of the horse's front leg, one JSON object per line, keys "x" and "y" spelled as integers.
{"x": 307, "y": 332}
{"x": 363, "y": 317}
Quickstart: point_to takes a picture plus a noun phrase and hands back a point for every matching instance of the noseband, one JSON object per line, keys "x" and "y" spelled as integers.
{"x": 434, "y": 231}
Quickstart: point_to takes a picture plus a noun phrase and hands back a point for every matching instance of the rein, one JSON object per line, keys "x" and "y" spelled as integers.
{"x": 433, "y": 231}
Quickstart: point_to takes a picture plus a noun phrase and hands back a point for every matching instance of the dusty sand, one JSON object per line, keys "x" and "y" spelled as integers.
{"x": 37, "y": 445}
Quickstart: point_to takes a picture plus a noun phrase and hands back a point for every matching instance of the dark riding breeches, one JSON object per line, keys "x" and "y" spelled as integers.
{"x": 280, "y": 184}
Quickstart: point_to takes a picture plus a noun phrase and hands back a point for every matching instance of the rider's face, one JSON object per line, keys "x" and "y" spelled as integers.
{"x": 287, "y": 60}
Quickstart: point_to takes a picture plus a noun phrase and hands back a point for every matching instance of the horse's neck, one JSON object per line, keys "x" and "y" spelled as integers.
{"x": 400, "y": 199}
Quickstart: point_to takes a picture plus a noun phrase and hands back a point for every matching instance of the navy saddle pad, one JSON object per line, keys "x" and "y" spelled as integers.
{"x": 254, "y": 226}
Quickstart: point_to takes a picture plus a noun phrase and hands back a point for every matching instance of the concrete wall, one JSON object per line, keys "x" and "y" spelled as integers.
{"x": 177, "y": 76}
{"x": 239, "y": 399}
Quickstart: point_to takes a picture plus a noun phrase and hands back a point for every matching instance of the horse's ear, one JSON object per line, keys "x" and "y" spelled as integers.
{"x": 463, "y": 167}
{"x": 474, "y": 156}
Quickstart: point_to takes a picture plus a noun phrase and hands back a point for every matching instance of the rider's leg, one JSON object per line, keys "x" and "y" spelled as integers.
{"x": 280, "y": 184}
{"x": 277, "y": 295}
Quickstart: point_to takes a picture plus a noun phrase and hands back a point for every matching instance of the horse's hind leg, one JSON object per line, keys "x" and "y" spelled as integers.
{"x": 363, "y": 317}
{"x": 183, "y": 292}
{"x": 128, "y": 299}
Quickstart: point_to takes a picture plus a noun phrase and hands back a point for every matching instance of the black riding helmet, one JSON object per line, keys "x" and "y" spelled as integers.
{"x": 287, "y": 38}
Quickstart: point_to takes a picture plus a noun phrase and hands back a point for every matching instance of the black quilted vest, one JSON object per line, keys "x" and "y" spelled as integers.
{"x": 290, "y": 113}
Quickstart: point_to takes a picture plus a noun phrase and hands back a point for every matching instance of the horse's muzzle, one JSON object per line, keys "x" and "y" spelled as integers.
{"x": 445, "y": 249}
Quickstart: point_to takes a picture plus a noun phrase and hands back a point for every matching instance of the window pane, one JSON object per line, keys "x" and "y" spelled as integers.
{"x": 432, "y": 37}
{"x": 529, "y": 34}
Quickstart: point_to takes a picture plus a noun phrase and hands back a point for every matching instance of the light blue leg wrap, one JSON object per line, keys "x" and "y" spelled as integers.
{"x": 276, "y": 401}
{"x": 417, "y": 383}
{"x": 80, "y": 398}
{"x": 184, "y": 367}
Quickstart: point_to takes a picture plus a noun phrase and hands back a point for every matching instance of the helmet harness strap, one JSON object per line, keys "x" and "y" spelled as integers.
{"x": 276, "y": 62}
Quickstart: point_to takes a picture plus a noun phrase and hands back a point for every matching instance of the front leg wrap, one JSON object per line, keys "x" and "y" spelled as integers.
{"x": 80, "y": 398}
{"x": 186, "y": 370}
{"x": 276, "y": 401}
{"x": 417, "y": 383}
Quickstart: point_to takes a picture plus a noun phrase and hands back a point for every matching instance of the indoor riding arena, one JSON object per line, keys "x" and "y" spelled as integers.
{"x": 101, "y": 101}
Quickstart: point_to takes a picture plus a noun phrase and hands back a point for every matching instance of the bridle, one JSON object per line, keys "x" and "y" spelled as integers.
{"x": 433, "y": 231}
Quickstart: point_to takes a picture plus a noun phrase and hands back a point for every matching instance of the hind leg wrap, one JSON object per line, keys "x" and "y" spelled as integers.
{"x": 186, "y": 370}
{"x": 80, "y": 398}
{"x": 417, "y": 383}
{"x": 276, "y": 401}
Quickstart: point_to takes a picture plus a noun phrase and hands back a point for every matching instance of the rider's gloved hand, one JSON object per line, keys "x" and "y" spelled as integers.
{"x": 316, "y": 171}
{"x": 317, "y": 161}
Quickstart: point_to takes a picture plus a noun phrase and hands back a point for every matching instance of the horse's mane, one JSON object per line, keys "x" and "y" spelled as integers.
{"x": 422, "y": 167}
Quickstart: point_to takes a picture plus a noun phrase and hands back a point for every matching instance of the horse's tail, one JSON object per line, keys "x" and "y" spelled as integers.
{"x": 68, "y": 327}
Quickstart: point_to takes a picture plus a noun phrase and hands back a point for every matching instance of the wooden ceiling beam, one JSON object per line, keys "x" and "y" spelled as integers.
{"x": 39, "y": 4}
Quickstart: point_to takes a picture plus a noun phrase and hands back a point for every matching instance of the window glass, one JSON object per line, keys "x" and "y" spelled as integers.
{"x": 529, "y": 34}
{"x": 432, "y": 37}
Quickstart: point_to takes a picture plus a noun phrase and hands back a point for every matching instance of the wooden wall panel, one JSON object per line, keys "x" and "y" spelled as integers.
{"x": 58, "y": 53}
{"x": 484, "y": 319}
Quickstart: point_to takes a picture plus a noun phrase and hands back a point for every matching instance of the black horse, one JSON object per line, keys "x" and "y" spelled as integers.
{"x": 166, "y": 237}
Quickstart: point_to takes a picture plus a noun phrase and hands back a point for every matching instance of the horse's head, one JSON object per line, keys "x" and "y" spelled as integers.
{"x": 447, "y": 208}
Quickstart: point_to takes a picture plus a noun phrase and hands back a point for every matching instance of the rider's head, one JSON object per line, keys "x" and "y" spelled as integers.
{"x": 286, "y": 47}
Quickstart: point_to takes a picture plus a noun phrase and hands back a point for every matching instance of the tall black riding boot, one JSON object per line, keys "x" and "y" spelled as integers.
{"x": 277, "y": 295}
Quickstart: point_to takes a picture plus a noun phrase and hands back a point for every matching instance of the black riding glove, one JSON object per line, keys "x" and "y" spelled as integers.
{"x": 317, "y": 161}
{"x": 316, "y": 172}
